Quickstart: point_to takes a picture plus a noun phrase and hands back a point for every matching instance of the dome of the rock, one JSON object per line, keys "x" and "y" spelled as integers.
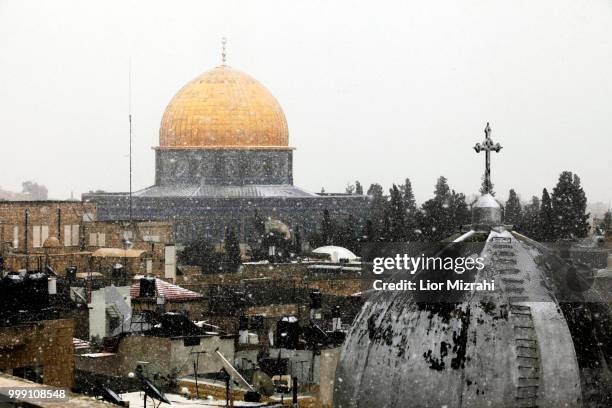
{"x": 223, "y": 109}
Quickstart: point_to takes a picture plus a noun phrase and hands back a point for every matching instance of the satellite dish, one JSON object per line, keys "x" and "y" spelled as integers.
{"x": 152, "y": 391}
{"x": 111, "y": 396}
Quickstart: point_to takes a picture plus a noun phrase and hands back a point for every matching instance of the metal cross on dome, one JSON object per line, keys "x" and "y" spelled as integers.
{"x": 487, "y": 146}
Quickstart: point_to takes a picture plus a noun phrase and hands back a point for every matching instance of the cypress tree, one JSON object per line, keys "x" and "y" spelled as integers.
{"x": 297, "y": 241}
{"x": 442, "y": 190}
{"x": 358, "y": 188}
{"x": 397, "y": 216}
{"x": 513, "y": 212}
{"x": 368, "y": 233}
{"x": 581, "y": 226}
{"x": 530, "y": 224}
{"x": 232, "y": 249}
{"x": 408, "y": 196}
{"x": 439, "y": 214}
{"x": 606, "y": 223}
{"x": 546, "y": 222}
{"x": 459, "y": 213}
{"x": 411, "y": 210}
{"x": 327, "y": 229}
{"x": 346, "y": 234}
{"x": 569, "y": 207}
{"x": 377, "y": 210}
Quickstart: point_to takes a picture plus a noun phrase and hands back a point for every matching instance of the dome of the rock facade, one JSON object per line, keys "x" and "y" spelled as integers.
{"x": 223, "y": 109}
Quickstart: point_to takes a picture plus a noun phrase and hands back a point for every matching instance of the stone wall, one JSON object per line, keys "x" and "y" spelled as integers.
{"x": 167, "y": 357}
{"x": 45, "y": 217}
{"x": 147, "y": 235}
{"x": 46, "y": 343}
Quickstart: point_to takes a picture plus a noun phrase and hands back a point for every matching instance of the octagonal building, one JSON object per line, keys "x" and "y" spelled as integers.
{"x": 223, "y": 155}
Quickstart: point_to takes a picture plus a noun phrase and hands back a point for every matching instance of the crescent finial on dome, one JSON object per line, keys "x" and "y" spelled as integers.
{"x": 223, "y": 51}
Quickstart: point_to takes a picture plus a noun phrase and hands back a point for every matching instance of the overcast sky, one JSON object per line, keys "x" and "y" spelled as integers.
{"x": 375, "y": 91}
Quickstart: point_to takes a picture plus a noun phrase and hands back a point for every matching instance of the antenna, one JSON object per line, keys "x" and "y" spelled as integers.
{"x": 130, "y": 120}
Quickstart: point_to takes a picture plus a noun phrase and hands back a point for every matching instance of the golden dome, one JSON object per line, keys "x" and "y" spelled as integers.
{"x": 223, "y": 109}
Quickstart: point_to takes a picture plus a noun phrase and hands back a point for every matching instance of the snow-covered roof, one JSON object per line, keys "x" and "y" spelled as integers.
{"x": 167, "y": 290}
{"x": 118, "y": 253}
{"x": 336, "y": 252}
{"x": 486, "y": 201}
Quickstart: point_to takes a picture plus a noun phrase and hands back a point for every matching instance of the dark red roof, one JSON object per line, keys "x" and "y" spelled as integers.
{"x": 170, "y": 292}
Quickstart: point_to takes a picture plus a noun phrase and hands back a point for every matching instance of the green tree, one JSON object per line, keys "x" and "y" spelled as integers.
{"x": 441, "y": 215}
{"x": 202, "y": 254}
{"x": 546, "y": 222}
{"x": 442, "y": 190}
{"x": 377, "y": 210}
{"x": 358, "y": 188}
{"x": 345, "y": 234}
{"x": 530, "y": 222}
{"x": 411, "y": 210}
{"x": 513, "y": 212}
{"x": 433, "y": 220}
{"x": 327, "y": 229}
{"x": 569, "y": 207}
{"x": 297, "y": 241}
{"x": 256, "y": 237}
{"x": 368, "y": 233}
{"x": 232, "y": 249}
{"x": 459, "y": 212}
{"x": 397, "y": 216}
{"x": 606, "y": 223}
{"x": 408, "y": 197}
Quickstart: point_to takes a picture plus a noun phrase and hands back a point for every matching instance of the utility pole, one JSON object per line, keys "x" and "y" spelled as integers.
{"x": 195, "y": 370}
{"x": 27, "y": 252}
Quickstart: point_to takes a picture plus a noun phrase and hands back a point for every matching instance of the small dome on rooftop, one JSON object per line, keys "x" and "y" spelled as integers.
{"x": 486, "y": 211}
{"x": 51, "y": 242}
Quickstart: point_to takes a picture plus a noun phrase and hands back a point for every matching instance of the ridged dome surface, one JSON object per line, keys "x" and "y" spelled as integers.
{"x": 224, "y": 109}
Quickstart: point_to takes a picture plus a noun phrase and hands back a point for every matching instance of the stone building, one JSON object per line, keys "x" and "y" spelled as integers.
{"x": 26, "y": 225}
{"x": 169, "y": 356}
{"x": 39, "y": 351}
{"x": 223, "y": 154}
{"x": 147, "y": 235}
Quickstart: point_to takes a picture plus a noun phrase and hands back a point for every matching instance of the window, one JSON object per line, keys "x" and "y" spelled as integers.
{"x": 75, "y": 235}
{"x": 39, "y": 234}
{"x": 44, "y": 233}
{"x": 15, "y": 237}
{"x": 31, "y": 373}
{"x": 97, "y": 239}
{"x": 71, "y": 235}
{"x": 67, "y": 235}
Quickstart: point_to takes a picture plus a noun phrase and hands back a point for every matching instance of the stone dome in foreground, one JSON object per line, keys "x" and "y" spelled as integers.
{"x": 223, "y": 109}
